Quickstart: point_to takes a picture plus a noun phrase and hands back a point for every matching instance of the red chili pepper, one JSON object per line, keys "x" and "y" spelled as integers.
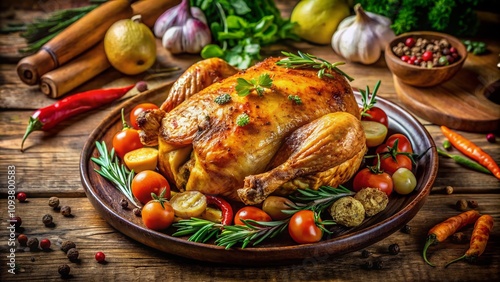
{"x": 478, "y": 240}
{"x": 471, "y": 150}
{"x": 48, "y": 117}
{"x": 224, "y": 206}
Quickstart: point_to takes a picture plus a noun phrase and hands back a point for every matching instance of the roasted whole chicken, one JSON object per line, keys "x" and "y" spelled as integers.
{"x": 286, "y": 145}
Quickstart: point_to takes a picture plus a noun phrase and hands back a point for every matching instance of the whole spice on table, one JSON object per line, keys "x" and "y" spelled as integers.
{"x": 394, "y": 249}
{"x": 54, "y": 202}
{"x": 449, "y": 190}
{"x": 461, "y": 205}
{"x": 50, "y": 116}
{"x": 33, "y": 244}
{"x": 471, "y": 150}
{"x": 16, "y": 220}
{"x": 47, "y": 220}
{"x": 45, "y": 244}
{"x": 406, "y": 229}
{"x": 123, "y": 203}
{"x": 100, "y": 257}
{"x": 478, "y": 240}
{"x": 22, "y": 239}
{"x": 21, "y": 197}
{"x": 443, "y": 230}
{"x": 64, "y": 270}
{"x": 73, "y": 254}
{"x": 67, "y": 245}
{"x": 490, "y": 137}
{"x": 66, "y": 210}
{"x": 472, "y": 204}
{"x": 365, "y": 254}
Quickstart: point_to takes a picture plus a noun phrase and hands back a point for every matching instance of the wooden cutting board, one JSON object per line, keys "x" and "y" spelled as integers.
{"x": 468, "y": 102}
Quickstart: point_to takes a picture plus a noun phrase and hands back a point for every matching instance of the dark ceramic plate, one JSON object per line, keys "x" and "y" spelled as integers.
{"x": 401, "y": 209}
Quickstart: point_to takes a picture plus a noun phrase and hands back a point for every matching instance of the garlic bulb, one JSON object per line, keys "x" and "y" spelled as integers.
{"x": 362, "y": 37}
{"x": 183, "y": 29}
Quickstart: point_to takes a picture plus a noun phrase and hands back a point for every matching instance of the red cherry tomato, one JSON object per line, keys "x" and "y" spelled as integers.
{"x": 125, "y": 141}
{"x": 139, "y": 109}
{"x": 376, "y": 114}
{"x": 157, "y": 217}
{"x": 303, "y": 229}
{"x": 404, "y": 144}
{"x": 366, "y": 178}
{"x": 427, "y": 56}
{"x": 390, "y": 165}
{"x": 250, "y": 212}
{"x": 147, "y": 182}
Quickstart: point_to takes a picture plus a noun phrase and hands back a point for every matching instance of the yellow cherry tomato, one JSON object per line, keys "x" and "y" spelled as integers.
{"x": 141, "y": 159}
{"x": 375, "y": 132}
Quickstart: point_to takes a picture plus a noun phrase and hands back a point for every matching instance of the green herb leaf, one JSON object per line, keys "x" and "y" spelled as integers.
{"x": 295, "y": 98}
{"x": 244, "y": 87}
{"x": 223, "y": 99}
{"x": 243, "y": 119}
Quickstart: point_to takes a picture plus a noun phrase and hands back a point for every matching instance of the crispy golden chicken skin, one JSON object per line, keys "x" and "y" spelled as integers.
{"x": 203, "y": 148}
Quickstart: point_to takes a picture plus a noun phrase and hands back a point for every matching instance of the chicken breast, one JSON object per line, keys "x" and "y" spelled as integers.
{"x": 203, "y": 148}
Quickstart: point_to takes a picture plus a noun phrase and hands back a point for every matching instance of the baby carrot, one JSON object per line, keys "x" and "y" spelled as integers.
{"x": 479, "y": 239}
{"x": 471, "y": 150}
{"x": 443, "y": 230}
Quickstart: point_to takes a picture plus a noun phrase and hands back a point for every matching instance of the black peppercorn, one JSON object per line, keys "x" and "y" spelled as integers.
{"x": 378, "y": 264}
{"x": 124, "y": 203}
{"x": 394, "y": 249}
{"x": 47, "y": 220}
{"x": 54, "y": 202}
{"x": 66, "y": 210}
{"x": 406, "y": 229}
{"x": 66, "y": 245}
{"x": 366, "y": 253}
{"x": 462, "y": 205}
{"x": 138, "y": 211}
{"x": 72, "y": 254}
{"x": 32, "y": 244}
{"x": 64, "y": 270}
{"x": 367, "y": 265}
{"x": 472, "y": 204}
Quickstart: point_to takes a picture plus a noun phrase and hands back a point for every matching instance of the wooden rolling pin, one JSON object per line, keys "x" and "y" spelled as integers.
{"x": 93, "y": 62}
{"x": 73, "y": 41}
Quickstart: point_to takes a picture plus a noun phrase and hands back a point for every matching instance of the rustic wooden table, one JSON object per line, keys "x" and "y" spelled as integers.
{"x": 49, "y": 167}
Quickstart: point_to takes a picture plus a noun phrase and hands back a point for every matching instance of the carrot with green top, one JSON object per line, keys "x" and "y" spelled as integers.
{"x": 471, "y": 150}
{"x": 445, "y": 229}
{"x": 479, "y": 239}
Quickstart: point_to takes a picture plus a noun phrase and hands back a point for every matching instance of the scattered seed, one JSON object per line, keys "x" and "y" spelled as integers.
{"x": 124, "y": 203}
{"x": 22, "y": 239}
{"x": 365, "y": 253}
{"x": 472, "y": 204}
{"x": 54, "y": 202}
{"x": 406, "y": 229}
{"x": 138, "y": 211}
{"x": 47, "y": 220}
{"x": 45, "y": 244}
{"x": 378, "y": 264}
{"x": 462, "y": 205}
{"x": 141, "y": 86}
{"x": 67, "y": 245}
{"x": 21, "y": 197}
{"x": 490, "y": 137}
{"x": 33, "y": 244}
{"x": 66, "y": 210}
{"x": 449, "y": 190}
{"x": 72, "y": 254}
{"x": 367, "y": 265}
{"x": 394, "y": 249}
{"x": 64, "y": 270}
{"x": 17, "y": 221}
{"x": 100, "y": 257}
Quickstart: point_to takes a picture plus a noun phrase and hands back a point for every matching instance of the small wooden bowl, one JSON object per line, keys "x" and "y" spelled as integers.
{"x": 421, "y": 76}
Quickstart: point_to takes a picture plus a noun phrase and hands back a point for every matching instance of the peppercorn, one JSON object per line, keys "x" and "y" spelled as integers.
{"x": 449, "y": 190}
{"x": 378, "y": 264}
{"x": 365, "y": 253}
{"x": 54, "y": 202}
{"x": 17, "y": 221}
{"x": 490, "y": 137}
{"x": 138, "y": 211}
{"x": 33, "y": 244}
{"x": 141, "y": 86}
{"x": 32, "y": 259}
{"x": 22, "y": 239}
{"x": 47, "y": 220}
{"x": 367, "y": 265}
{"x": 45, "y": 244}
{"x": 64, "y": 270}
{"x": 66, "y": 245}
{"x": 66, "y": 210}
{"x": 459, "y": 238}
{"x": 124, "y": 203}
{"x": 406, "y": 229}
{"x": 472, "y": 204}
{"x": 21, "y": 197}
{"x": 72, "y": 254}
{"x": 100, "y": 257}
{"x": 461, "y": 205}
{"x": 394, "y": 249}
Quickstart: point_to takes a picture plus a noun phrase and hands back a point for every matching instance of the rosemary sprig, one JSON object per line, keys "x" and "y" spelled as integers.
{"x": 244, "y": 87}
{"x": 112, "y": 170}
{"x": 368, "y": 102}
{"x": 254, "y": 232}
{"x": 304, "y": 60}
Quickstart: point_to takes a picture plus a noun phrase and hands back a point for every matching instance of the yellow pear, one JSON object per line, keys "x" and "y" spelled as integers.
{"x": 317, "y": 20}
{"x": 130, "y": 46}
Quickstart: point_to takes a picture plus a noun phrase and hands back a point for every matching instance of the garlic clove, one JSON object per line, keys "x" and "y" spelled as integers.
{"x": 197, "y": 35}
{"x": 172, "y": 40}
{"x": 174, "y": 16}
{"x": 198, "y": 13}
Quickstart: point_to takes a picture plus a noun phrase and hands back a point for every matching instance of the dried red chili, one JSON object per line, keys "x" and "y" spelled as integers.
{"x": 48, "y": 117}
{"x": 224, "y": 206}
